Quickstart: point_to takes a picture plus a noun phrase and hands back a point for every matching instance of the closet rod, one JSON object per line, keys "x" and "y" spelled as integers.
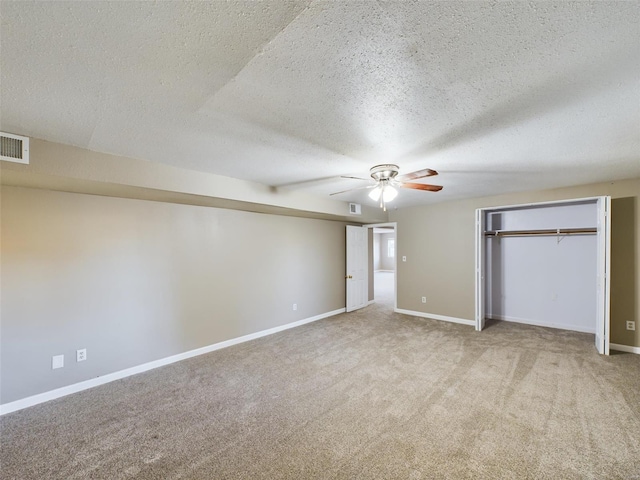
{"x": 557, "y": 231}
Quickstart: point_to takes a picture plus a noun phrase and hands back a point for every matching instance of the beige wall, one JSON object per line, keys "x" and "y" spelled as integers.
{"x": 386, "y": 262}
{"x": 135, "y": 281}
{"x": 54, "y": 166}
{"x": 438, "y": 241}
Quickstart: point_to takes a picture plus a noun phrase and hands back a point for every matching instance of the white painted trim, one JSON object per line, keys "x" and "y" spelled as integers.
{"x": 433, "y": 316}
{"x": 386, "y": 224}
{"x": 110, "y": 377}
{"x": 624, "y": 348}
{"x": 384, "y": 271}
{"x": 536, "y": 323}
{"x": 541, "y": 204}
{"x": 479, "y": 266}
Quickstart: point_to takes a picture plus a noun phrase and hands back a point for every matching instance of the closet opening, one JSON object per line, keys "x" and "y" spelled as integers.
{"x": 545, "y": 264}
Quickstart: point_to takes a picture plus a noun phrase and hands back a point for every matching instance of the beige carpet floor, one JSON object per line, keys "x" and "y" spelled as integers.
{"x": 365, "y": 395}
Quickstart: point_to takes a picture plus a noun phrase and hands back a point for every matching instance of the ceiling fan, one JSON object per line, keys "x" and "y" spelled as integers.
{"x": 386, "y": 178}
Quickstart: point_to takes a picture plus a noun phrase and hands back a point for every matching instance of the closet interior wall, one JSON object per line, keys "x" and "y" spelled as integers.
{"x": 539, "y": 278}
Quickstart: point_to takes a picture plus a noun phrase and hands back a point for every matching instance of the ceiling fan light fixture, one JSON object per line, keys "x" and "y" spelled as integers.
{"x": 375, "y": 193}
{"x": 384, "y": 193}
{"x": 389, "y": 193}
{"x": 386, "y": 178}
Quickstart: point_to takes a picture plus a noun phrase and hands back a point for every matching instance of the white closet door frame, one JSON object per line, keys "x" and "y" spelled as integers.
{"x": 603, "y": 315}
{"x": 480, "y": 267}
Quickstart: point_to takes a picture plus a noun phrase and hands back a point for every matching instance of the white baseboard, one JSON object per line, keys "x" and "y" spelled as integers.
{"x": 624, "y": 348}
{"x": 526, "y": 321}
{"x": 94, "y": 382}
{"x": 433, "y": 316}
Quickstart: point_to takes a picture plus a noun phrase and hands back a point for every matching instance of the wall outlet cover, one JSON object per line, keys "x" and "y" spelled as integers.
{"x": 631, "y": 325}
{"x": 81, "y": 355}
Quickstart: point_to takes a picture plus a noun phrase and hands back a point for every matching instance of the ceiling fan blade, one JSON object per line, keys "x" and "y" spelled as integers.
{"x": 356, "y": 178}
{"x": 427, "y": 172}
{"x": 422, "y": 186}
{"x": 358, "y": 188}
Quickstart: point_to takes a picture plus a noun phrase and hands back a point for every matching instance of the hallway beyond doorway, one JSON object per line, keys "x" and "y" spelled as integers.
{"x": 383, "y": 288}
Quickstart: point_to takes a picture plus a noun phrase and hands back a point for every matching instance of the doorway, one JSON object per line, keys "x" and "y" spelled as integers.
{"x": 383, "y": 264}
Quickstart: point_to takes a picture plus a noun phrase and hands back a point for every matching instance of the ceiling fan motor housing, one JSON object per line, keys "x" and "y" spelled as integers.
{"x": 384, "y": 172}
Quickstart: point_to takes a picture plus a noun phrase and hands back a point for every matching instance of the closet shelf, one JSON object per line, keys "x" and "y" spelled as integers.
{"x": 528, "y": 233}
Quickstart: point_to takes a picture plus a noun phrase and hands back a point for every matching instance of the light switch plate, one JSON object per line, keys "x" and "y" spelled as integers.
{"x": 57, "y": 361}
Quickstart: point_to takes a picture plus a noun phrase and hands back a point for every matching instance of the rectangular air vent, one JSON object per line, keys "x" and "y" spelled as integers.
{"x": 355, "y": 209}
{"x": 14, "y": 148}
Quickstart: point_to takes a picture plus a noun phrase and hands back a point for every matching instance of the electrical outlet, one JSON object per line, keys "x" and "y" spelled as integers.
{"x": 81, "y": 355}
{"x": 424, "y": 299}
{"x": 631, "y": 325}
{"x": 295, "y": 307}
{"x": 57, "y": 361}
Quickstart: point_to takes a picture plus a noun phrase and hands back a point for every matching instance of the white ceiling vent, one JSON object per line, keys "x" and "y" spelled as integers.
{"x": 14, "y": 148}
{"x": 355, "y": 209}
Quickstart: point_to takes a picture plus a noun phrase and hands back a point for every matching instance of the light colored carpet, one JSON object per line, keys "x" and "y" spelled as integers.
{"x": 365, "y": 395}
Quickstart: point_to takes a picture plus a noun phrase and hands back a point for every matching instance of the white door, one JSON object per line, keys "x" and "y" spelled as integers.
{"x": 357, "y": 276}
{"x": 480, "y": 261}
{"x": 604, "y": 280}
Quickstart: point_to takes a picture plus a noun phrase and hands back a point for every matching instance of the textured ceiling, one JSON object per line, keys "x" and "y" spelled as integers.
{"x": 497, "y": 97}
